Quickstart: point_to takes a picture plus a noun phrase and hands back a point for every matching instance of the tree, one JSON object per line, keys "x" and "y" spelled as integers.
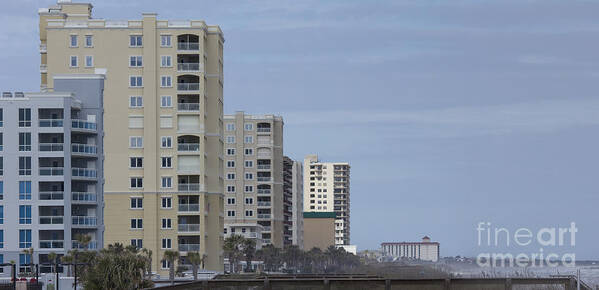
{"x": 29, "y": 253}
{"x": 52, "y": 258}
{"x": 291, "y": 257}
{"x": 148, "y": 256}
{"x": 195, "y": 259}
{"x": 271, "y": 256}
{"x": 171, "y": 257}
{"x": 114, "y": 268}
{"x": 249, "y": 251}
{"x": 231, "y": 248}
{"x": 83, "y": 240}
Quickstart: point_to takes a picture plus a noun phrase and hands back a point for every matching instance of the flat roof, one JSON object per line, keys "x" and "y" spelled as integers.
{"x": 320, "y": 215}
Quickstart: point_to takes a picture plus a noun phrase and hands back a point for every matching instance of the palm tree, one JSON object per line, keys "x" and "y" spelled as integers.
{"x": 148, "y": 256}
{"x": 231, "y": 248}
{"x": 52, "y": 258}
{"x": 249, "y": 251}
{"x": 171, "y": 257}
{"x": 195, "y": 259}
{"x": 83, "y": 240}
{"x": 29, "y": 252}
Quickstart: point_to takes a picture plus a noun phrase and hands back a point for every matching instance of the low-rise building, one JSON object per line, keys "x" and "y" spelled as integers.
{"x": 424, "y": 251}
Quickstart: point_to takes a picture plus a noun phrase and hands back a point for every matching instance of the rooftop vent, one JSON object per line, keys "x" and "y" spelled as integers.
{"x": 7, "y": 95}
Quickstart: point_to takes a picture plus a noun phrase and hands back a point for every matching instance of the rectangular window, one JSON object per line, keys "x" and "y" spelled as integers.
{"x": 166, "y": 162}
{"x": 136, "y": 122}
{"x": 135, "y": 81}
{"x": 25, "y": 141}
{"x": 230, "y": 176}
{"x": 230, "y": 127}
{"x": 137, "y": 203}
{"x": 25, "y": 117}
{"x": 136, "y": 102}
{"x": 231, "y": 213}
{"x": 166, "y": 121}
{"x": 1, "y": 214}
{"x": 249, "y": 213}
{"x": 230, "y": 188}
{"x": 89, "y": 61}
{"x": 89, "y": 41}
{"x": 24, "y": 214}
{"x": 249, "y": 163}
{"x": 166, "y": 101}
{"x": 74, "y": 62}
{"x": 249, "y": 176}
{"x": 135, "y": 41}
{"x": 166, "y": 61}
{"x": 167, "y": 202}
{"x": 230, "y": 164}
{"x": 137, "y": 224}
{"x": 1, "y": 243}
{"x": 166, "y": 243}
{"x": 1, "y": 117}
{"x": 165, "y": 40}
{"x": 249, "y": 200}
{"x": 1, "y": 187}
{"x": 230, "y": 140}
{"x": 138, "y": 243}
{"x": 73, "y": 41}
{"x": 249, "y": 188}
{"x": 166, "y": 82}
{"x": 249, "y": 151}
{"x": 167, "y": 182}
{"x": 166, "y": 142}
{"x": 249, "y": 139}
{"x": 231, "y": 200}
{"x": 167, "y": 224}
{"x": 230, "y": 151}
{"x": 24, "y": 239}
{"x": 24, "y": 165}
{"x": 24, "y": 190}
{"x": 136, "y": 162}
{"x": 136, "y": 142}
{"x": 1, "y": 166}
{"x": 136, "y": 61}
{"x": 137, "y": 182}
{"x": 249, "y": 126}
{"x": 165, "y": 264}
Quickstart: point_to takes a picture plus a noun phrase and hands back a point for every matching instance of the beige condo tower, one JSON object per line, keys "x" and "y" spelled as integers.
{"x": 163, "y": 112}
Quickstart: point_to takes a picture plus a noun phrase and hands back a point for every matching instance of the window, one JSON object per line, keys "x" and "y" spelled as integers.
{"x": 165, "y": 40}
{"x": 136, "y": 102}
{"x": 166, "y": 121}
{"x": 135, "y": 41}
{"x": 137, "y": 182}
{"x": 230, "y": 151}
{"x": 165, "y": 265}
{"x": 249, "y": 151}
{"x": 1, "y": 214}
{"x": 166, "y": 142}
{"x": 1, "y": 189}
{"x": 1, "y": 167}
{"x": 249, "y": 213}
{"x": 249, "y": 139}
{"x": 249, "y": 163}
{"x": 74, "y": 61}
{"x": 249, "y": 188}
{"x": 1, "y": 117}
{"x": 166, "y": 61}
{"x": 136, "y": 61}
{"x": 167, "y": 224}
{"x": 167, "y": 182}
{"x": 166, "y": 101}
{"x": 231, "y": 213}
{"x": 1, "y": 141}
{"x": 167, "y": 202}
{"x": 166, "y": 243}
{"x": 137, "y": 224}
{"x": 89, "y": 41}
{"x": 230, "y": 139}
{"x": 230, "y": 164}
{"x": 166, "y": 82}
{"x": 24, "y": 261}
{"x": 24, "y": 214}
{"x": 231, "y": 188}
{"x": 135, "y": 81}
{"x": 136, "y": 142}
{"x": 24, "y": 239}
{"x": 138, "y": 243}
{"x": 136, "y": 162}
{"x": 249, "y": 200}
{"x": 24, "y": 190}
{"x": 230, "y": 176}
{"x": 230, "y": 200}
{"x": 25, "y": 141}
{"x": 137, "y": 203}
{"x": 25, "y": 117}
{"x": 73, "y": 41}
{"x": 1, "y": 240}
{"x": 249, "y": 176}
{"x": 89, "y": 61}
{"x": 166, "y": 162}
{"x": 136, "y": 122}
{"x": 230, "y": 126}
{"x": 249, "y": 126}
{"x": 24, "y": 165}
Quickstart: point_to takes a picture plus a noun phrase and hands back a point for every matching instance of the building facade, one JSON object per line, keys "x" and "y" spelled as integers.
{"x": 254, "y": 195}
{"x": 326, "y": 189}
{"x": 319, "y": 230}
{"x": 294, "y": 189}
{"x": 424, "y": 251}
{"x": 163, "y": 123}
{"x": 51, "y": 170}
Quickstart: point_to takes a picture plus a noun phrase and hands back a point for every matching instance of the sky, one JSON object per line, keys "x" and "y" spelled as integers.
{"x": 450, "y": 113}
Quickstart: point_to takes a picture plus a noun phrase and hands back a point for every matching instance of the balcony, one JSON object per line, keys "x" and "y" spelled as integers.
{"x": 84, "y": 197}
{"x": 51, "y": 244}
{"x": 188, "y": 86}
{"x": 188, "y": 67}
{"x": 266, "y": 228}
{"x": 263, "y": 130}
{"x": 84, "y": 149}
{"x": 188, "y": 147}
{"x": 189, "y": 207}
{"x": 263, "y": 179}
{"x": 84, "y": 172}
{"x": 51, "y": 220}
{"x": 82, "y": 125}
{"x": 263, "y": 191}
{"x": 189, "y": 247}
{"x": 264, "y": 216}
{"x": 49, "y": 195}
{"x": 51, "y": 147}
{"x": 51, "y": 123}
{"x": 187, "y": 187}
{"x": 188, "y": 107}
{"x": 263, "y": 166}
{"x": 188, "y": 46}
{"x": 91, "y": 246}
{"x": 87, "y": 221}
{"x": 186, "y": 228}
{"x": 264, "y": 203}
{"x": 51, "y": 171}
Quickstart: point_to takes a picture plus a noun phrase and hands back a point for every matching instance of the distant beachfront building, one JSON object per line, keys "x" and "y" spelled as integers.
{"x": 424, "y": 251}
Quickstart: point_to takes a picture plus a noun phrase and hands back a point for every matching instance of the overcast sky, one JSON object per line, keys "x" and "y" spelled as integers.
{"x": 450, "y": 112}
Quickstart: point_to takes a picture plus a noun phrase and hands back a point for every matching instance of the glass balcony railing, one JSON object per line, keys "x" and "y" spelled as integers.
{"x": 51, "y": 171}
{"x": 188, "y": 86}
{"x": 189, "y": 227}
{"x": 189, "y": 207}
{"x": 259, "y": 178}
{"x": 51, "y": 147}
{"x": 263, "y": 215}
{"x": 191, "y": 107}
{"x": 263, "y": 191}
{"x": 51, "y": 123}
{"x": 188, "y": 46}
{"x": 91, "y": 246}
{"x": 264, "y": 203}
{"x": 263, "y": 166}
{"x": 84, "y": 221}
{"x": 189, "y": 247}
{"x": 51, "y": 244}
{"x": 189, "y": 187}
{"x": 188, "y": 147}
{"x": 51, "y": 195}
{"x": 263, "y": 130}
{"x": 84, "y": 149}
{"x": 51, "y": 220}
{"x": 188, "y": 67}
{"x": 84, "y": 172}
{"x": 84, "y": 125}
{"x": 84, "y": 196}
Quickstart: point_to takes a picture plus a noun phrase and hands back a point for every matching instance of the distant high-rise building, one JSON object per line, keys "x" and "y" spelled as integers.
{"x": 163, "y": 114}
{"x": 293, "y": 187}
{"x": 51, "y": 170}
{"x": 425, "y": 250}
{"x": 326, "y": 189}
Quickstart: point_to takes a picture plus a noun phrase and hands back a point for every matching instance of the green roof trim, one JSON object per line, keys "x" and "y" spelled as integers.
{"x": 321, "y": 215}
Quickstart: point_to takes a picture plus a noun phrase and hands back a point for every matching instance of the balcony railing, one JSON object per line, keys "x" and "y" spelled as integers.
{"x": 263, "y": 166}
{"x": 189, "y": 247}
{"x": 91, "y": 246}
{"x": 51, "y": 195}
{"x": 51, "y": 171}
{"x": 51, "y": 147}
{"x": 84, "y": 172}
{"x": 188, "y": 86}
{"x": 188, "y": 46}
{"x": 51, "y": 220}
{"x": 263, "y": 191}
{"x": 189, "y": 207}
{"x": 188, "y": 168}
{"x": 84, "y": 125}
{"x": 51, "y": 123}
{"x": 188, "y": 67}
{"x": 84, "y": 149}
{"x": 51, "y": 244}
{"x": 189, "y": 187}
{"x": 266, "y": 229}
{"x": 85, "y": 220}
{"x": 264, "y": 203}
{"x": 188, "y": 147}
{"x": 84, "y": 196}
{"x": 192, "y": 107}
{"x": 263, "y": 215}
{"x": 263, "y": 130}
{"x": 259, "y": 178}
{"x": 189, "y": 227}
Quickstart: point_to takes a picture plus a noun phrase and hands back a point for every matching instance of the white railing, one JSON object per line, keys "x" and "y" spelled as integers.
{"x": 91, "y": 246}
{"x": 264, "y": 203}
{"x": 51, "y": 195}
{"x": 84, "y": 172}
{"x": 263, "y": 130}
{"x": 188, "y": 107}
{"x": 51, "y": 171}
{"x": 188, "y": 147}
{"x": 263, "y": 166}
{"x": 51, "y": 147}
{"x": 189, "y": 187}
{"x": 51, "y": 123}
{"x": 84, "y": 196}
{"x": 85, "y": 125}
{"x": 188, "y": 86}
{"x": 189, "y": 207}
{"x": 188, "y": 67}
{"x": 85, "y": 220}
{"x": 51, "y": 220}
{"x": 263, "y": 191}
{"x": 188, "y": 46}
{"x": 189, "y": 247}
{"x": 264, "y": 178}
{"x": 266, "y": 229}
{"x": 189, "y": 227}
{"x": 264, "y": 216}
{"x": 84, "y": 149}
{"x": 51, "y": 244}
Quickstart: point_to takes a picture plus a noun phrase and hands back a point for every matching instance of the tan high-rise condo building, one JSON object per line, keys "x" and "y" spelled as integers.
{"x": 294, "y": 198}
{"x": 326, "y": 189}
{"x": 162, "y": 112}
{"x": 254, "y": 196}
